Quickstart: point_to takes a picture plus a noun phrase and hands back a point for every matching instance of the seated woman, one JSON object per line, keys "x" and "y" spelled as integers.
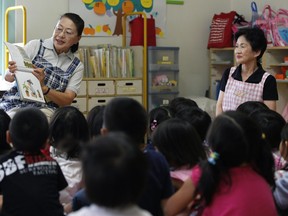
{"x": 58, "y": 70}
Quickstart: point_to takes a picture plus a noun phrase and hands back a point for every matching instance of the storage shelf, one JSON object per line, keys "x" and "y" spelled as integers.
{"x": 163, "y": 73}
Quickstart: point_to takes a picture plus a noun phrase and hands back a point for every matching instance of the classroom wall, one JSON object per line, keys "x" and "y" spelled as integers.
{"x": 187, "y": 28}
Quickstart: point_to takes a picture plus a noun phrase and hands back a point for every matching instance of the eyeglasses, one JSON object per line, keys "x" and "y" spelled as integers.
{"x": 66, "y": 32}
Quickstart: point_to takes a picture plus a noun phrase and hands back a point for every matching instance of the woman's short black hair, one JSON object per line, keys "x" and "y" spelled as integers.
{"x": 256, "y": 37}
{"x": 29, "y": 129}
{"x": 79, "y": 23}
{"x": 114, "y": 170}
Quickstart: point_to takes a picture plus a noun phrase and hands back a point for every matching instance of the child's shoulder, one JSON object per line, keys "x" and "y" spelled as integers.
{"x": 156, "y": 159}
{"x": 154, "y": 155}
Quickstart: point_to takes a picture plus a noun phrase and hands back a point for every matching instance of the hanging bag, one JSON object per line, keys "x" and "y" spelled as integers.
{"x": 265, "y": 23}
{"x": 279, "y": 27}
{"x": 239, "y": 23}
{"x": 221, "y": 30}
{"x": 255, "y": 14}
{"x": 137, "y": 31}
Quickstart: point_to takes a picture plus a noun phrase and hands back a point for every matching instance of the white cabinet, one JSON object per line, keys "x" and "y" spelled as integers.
{"x": 94, "y": 92}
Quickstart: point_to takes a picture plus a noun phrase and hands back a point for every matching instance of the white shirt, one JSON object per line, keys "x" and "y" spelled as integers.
{"x": 72, "y": 170}
{"x": 62, "y": 61}
{"x": 94, "y": 210}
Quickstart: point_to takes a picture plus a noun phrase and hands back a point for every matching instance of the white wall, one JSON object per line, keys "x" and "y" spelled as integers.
{"x": 187, "y": 28}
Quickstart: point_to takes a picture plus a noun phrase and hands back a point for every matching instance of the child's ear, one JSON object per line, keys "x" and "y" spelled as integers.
{"x": 286, "y": 144}
{"x": 8, "y": 138}
{"x": 104, "y": 131}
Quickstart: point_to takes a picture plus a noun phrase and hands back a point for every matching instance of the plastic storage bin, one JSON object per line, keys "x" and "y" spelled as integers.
{"x": 163, "y": 58}
{"x": 163, "y": 75}
{"x": 163, "y": 81}
{"x": 156, "y": 100}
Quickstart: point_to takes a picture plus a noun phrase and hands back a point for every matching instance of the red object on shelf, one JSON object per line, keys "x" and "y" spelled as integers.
{"x": 280, "y": 76}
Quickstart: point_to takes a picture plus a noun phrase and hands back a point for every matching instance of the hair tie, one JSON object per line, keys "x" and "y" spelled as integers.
{"x": 263, "y": 136}
{"x": 153, "y": 125}
{"x": 213, "y": 157}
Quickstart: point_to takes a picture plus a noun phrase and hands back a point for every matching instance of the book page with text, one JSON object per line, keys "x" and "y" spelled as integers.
{"x": 21, "y": 58}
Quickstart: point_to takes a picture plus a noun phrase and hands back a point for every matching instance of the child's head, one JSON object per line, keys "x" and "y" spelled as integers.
{"x": 249, "y": 107}
{"x": 198, "y": 118}
{"x": 158, "y": 115}
{"x": 126, "y": 115}
{"x": 95, "y": 120}
{"x": 228, "y": 139}
{"x": 114, "y": 170}
{"x": 235, "y": 139}
{"x": 271, "y": 123}
{"x": 180, "y": 103}
{"x": 28, "y": 130}
{"x": 283, "y": 148}
{"x": 4, "y": 126}
{"x": 68, "y": 129}
{"x": 179, "y": 142}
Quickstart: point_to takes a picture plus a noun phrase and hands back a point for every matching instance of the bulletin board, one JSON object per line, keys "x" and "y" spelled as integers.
{"x": 104, "y": 17}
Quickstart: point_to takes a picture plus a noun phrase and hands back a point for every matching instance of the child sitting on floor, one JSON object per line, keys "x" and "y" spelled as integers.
{"x": 230, "y": 181}
{"x": 115, "y": 171}
{"x": 30, "y": 181}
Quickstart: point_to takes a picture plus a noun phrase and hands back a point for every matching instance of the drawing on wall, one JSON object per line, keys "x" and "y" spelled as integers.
{"x": 104, "y": 17}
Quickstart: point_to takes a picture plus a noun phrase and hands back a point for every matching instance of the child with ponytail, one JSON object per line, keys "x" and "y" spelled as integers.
{"x": 231, "y": 181}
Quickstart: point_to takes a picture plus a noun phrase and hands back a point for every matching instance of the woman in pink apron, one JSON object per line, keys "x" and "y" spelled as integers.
{"x": 247, "y": 81}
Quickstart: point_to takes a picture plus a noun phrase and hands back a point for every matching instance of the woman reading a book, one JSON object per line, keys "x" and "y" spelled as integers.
{"x": 55, "y": 66}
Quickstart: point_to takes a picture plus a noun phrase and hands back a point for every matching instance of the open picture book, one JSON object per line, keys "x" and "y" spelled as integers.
{"x": 29, "y": 86}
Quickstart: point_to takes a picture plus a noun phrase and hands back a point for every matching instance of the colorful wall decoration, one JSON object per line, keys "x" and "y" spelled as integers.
{"x": 104, "y": 17}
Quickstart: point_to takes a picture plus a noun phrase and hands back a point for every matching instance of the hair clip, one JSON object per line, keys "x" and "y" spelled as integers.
{"x": 153, "y": 125}
{"x": 263, "y": 136}
{"x": 213, "y": 157}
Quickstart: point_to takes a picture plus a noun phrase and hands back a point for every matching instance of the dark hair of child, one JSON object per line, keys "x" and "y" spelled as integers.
{"x": 283, "y": 149}
{"x": 198, "y": 118}
{"x": 134, "y": 124}
{"x": 4, "y": 126}
{"x": 233, "y": 135}
{"x": 179, "y": 142}
{"x": 114, "y": 170}
{"x": 180, "y": 103}
{"x": 68, "y": 129}
{"x": 271, "y": 123}
{"x": 249, "y": 107}
{"x": 158, "y": 115}
{"x": 29, "y": 130}
{"x": 95, "y": 120}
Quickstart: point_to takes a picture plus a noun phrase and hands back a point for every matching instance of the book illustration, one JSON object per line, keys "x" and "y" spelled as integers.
{"x": 29, "y": 87}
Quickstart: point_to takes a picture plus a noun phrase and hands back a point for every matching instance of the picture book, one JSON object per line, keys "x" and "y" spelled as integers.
{"x": 21, "y": 58}
{"x": 29, "y": 86}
